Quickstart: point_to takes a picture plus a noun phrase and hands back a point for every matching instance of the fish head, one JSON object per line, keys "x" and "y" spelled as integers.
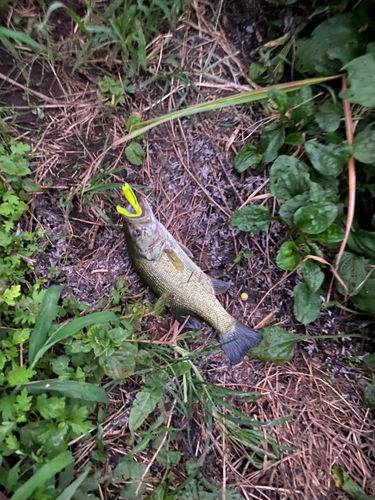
{"x": 144, "y": 231}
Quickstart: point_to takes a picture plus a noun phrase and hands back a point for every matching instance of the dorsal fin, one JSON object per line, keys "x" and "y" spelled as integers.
{"x": 185, "y": 249}
{"x": 219, "y": 286}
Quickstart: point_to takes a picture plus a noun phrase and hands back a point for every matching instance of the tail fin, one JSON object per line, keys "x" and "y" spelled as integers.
{"x": 238, "y": 341}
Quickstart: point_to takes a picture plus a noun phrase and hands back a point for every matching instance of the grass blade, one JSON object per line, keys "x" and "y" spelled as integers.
{"x": 73, "y": 327}
{"x": 20, "y": 38}
{"x": 44, "y": 320}
{"x": 104, "y": 216}
{"x": 54, "y": 6}
{"x": 42, "y": 475}
{"x": 72, "y": 488}
{"x": 223, "y": 102}
{"x": 68, "y": 388}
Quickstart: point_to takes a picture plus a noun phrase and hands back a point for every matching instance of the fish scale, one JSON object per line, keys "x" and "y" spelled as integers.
{"x": 185, "y": 286}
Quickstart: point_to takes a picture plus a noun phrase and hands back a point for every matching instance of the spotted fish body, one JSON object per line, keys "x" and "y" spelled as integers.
{"x": 166, "y": 267}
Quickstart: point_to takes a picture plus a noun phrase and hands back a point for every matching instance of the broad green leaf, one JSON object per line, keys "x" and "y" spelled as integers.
{"x": 121, "y": 363}
{"x": 317, "y": 193}
{"x": 327, "y": 159}
{"x": 130, "y": 489}
{"x": 248, "y": 157}
{"x": 252, "y": 218}
{"x": 288, "y": 258}
{"x": 132, "y": 123}
{"x": 289, "y": 177}
{"x": 111, "y": 86}
{"x": 369, "y": 396}
{"x": 332, "y": 44}
{"x": 313, "y": 249}
{"x": 364, "y": 145}
{"x": 294, "y": 139}
{"x": 328, "y": 121}
{"x": 134, "y": 153}
{"x": 363, "y": 242}
{"x": 144, "y": 403}
{"x": 343, "y": 481}
{"x": 281, "y": 100}
{"x": 161, "y": 304}
{"x": 277, "y": 345}
{"x": 370, "y": 360}
{"x": 44, "y": 320}
{"x": 306, "y": 303}
{"x": 256, "y": 72}
{"x": 43, "y": 475}
{"x": 303, "y": 105}
{"x": 364, "y": 300}
{"x": 353, "y": 270}
{"x": 289, "y": 208}
{"x": 271, "y": 140}
{"x": 68, "y": 493}
{"x": 333, "y": 234}
{"x": 165, "y": 455}
{"x": 51, "y": 407}
{"x": 20, "y": 336}
{"x": 315, "y": 217}
{"x": 330, "y": 186}
{"x": 19, "y": 375}
{"x": 70, "y": 389}
{"x": 60, "y": 365}
{"x": 129, "y": 470}
{"x": 312, "y": 274}
{"x": 361, "y": 81}
{"x": 73, "y": 327}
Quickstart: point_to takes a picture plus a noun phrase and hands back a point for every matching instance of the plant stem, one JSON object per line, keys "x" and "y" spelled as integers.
{"x": 312, "y": 337}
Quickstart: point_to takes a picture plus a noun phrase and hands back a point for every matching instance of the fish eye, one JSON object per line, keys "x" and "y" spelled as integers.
{"x": 136, "y": 232}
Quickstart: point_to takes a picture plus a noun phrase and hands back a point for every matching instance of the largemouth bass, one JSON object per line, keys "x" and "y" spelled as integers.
{"x": 166, "y": 266}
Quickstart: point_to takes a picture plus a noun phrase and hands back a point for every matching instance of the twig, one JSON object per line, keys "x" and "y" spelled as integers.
{"x": 351, "y": 174}
{"x": 254, "y": 193}
{"x": 30, "y": 91}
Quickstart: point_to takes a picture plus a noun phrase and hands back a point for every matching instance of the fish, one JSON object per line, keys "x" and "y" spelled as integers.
{"x": 167, "y": 267}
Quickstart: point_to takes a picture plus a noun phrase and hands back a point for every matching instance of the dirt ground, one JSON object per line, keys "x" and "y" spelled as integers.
{"x": 194, "y": 189}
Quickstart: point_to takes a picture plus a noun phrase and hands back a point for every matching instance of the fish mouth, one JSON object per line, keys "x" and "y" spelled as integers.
{"x": 146, "y": 215}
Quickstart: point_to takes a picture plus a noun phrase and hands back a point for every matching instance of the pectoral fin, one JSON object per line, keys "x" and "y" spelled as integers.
{"x": 180, "y": 315}
{"x": 219, "y": 286}
{"x": 173, "y": 257}
{"x": 185, "y": 249}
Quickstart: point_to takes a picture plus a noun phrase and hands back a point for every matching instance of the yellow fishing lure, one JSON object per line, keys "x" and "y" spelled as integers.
{"x": 132, "y": 199}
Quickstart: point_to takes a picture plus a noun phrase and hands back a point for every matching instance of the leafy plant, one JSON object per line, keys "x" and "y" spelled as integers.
{"x": 115, "y": 90}
{"x": 312, "y": 198}
{"x": 124, "y": 29}
{"x": 344, "y": 482}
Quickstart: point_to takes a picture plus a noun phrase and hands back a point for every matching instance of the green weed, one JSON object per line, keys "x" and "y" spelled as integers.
{"x": 54, "y": 355}
{"x": 313, "y": 197}
{"x": 115, "y": 90}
